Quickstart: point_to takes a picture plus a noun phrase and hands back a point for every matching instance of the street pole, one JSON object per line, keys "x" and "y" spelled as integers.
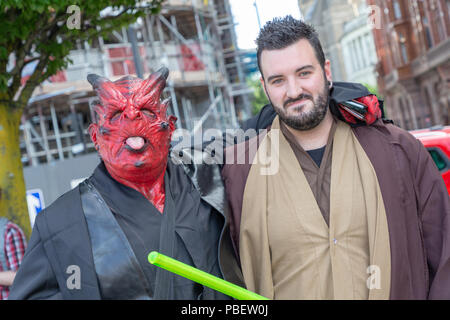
{"x": 257, "y": 14}
{"x": 134, "y": 47}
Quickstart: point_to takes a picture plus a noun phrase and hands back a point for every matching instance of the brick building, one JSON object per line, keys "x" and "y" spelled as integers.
{"x": 413, "y": 48}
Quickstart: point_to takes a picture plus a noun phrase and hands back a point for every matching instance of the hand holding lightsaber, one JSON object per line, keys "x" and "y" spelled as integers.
{"x": 202, "y": 277}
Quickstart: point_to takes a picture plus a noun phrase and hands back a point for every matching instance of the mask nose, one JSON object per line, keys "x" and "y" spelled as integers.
{"x": 132, "y": 113}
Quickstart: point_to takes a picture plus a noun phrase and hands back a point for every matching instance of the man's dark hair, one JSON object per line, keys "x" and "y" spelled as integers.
{"x": 283, "y": 32}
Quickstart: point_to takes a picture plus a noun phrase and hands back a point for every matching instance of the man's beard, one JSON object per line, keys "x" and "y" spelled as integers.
{"x": 306, "y": 120}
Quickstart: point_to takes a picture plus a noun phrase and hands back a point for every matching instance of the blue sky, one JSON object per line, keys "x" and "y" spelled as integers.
{"x": 244, "y": 14}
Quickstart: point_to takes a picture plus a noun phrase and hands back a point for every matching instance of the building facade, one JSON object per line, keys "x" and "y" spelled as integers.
{"x": 358, "y": 47}
{"x": 346, "y": 37}
{"x": 413, "y": 49}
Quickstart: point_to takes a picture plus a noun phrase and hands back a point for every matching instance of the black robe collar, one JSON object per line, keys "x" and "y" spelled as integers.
{"x": 121, "y": 199}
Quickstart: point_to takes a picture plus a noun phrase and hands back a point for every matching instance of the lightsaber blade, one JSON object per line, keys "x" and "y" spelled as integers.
{"x": 204, "y": 278}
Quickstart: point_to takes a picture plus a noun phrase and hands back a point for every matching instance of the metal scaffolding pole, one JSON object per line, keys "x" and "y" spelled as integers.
{"x": 149, "y": 41}
{"x": 186, "y": 113}
{"x": 44, "y": 135}
{"x": 205, "y": 115}
{"x": 29, "y": 143}
{"x": 174, "y": 103}
{"x": 136, "y": 54}
{"x": 212, "y": 96}
{"x": 177, "y": 42}
{"x": 202, "y": 54}
{"x": 226, "y": 90}
{"x": 178, "y": 35}
{"x": 56, "y": 129}
{"x": 104, "y": 54}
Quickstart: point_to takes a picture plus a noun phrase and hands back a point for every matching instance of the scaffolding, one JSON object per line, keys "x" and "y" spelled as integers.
{"x": 195, "y": 39}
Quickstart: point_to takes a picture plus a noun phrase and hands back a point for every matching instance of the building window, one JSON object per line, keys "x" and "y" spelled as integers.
{"x": 403, "y": 49}
{"x": 427, "y": 30}
{"x": 441, "y": 31}
{"x": 405, "y": 120}
{"x": 354, "y": 57}
{"x": 370, "y": 50}
{"x": 348, "y": 59}
{"x": 357, "y": 65}
{"x": 397, "y": 10}
{"x": 448, "y": 8}
{"x": 428, "y": 120}
{"x": 362, "y": 52}
{"x": 404, "y": 52}
{"x": 440, "y": 25}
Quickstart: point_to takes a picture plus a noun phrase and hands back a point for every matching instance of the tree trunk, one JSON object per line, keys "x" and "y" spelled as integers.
{"x": 13, "y": 203}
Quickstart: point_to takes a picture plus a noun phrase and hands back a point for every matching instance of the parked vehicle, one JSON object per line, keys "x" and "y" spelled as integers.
{"x": 437, "y": 142}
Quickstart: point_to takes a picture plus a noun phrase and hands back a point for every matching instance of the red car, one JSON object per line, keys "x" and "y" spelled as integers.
{"x": 437, "y": 142}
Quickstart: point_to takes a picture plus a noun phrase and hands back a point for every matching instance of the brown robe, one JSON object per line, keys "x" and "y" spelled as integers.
{"x": 319, "y": 178}
{"x": 299, "y": 256}
{"x": 416, "y": 202}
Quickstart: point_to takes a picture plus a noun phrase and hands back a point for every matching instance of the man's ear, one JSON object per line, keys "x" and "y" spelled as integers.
{"x": 263, "y": 84}
{"x": 327, "y": 69}
{"x": 261, "y": 79}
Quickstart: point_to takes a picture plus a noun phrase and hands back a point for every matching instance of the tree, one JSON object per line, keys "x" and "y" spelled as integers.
{"x": 259, "y": 97}
{"x": 43, "y": 32}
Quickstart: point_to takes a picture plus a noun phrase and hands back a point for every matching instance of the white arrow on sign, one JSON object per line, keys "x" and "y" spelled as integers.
{"x": 35, "y": 202}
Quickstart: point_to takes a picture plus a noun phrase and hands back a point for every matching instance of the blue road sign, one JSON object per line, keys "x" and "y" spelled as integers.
{"x": 35, "y": 201}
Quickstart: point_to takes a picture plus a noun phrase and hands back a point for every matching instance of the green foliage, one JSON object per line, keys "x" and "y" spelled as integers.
{"x": 372, "y": 89}
{"x": 41, "y": 30}
{"x": 259, "y": 97}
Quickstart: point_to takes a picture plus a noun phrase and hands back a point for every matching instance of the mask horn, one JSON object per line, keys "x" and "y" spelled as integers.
{"x": 95, "y": 80}
{"x": 164, "y": 72}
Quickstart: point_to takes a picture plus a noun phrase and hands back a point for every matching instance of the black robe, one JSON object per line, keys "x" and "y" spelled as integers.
{"x": 109, "y": 237}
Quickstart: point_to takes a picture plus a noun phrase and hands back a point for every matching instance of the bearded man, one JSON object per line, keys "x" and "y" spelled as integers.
{"x": 352, "y": 207}
{"x": 93, "y": 241}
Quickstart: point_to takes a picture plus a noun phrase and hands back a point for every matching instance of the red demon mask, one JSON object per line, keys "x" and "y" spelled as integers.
{"x": 132, "y": 131}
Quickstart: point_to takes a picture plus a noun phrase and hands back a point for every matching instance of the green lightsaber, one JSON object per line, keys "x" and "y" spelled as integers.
{"x": 204, "y": 278}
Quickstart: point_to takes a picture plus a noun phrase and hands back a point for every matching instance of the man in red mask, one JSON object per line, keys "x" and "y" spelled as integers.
{"x": 132, "y": 133}
{"x": 93, "y": 242}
